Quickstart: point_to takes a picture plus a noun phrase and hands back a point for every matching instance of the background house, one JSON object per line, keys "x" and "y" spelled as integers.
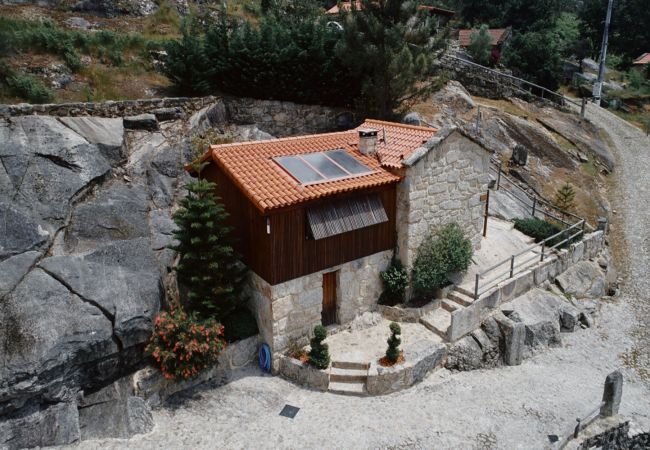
{"x": 500, "y": 37}
{"x": 317, "y": 217}
{"x": 642, "y": 64}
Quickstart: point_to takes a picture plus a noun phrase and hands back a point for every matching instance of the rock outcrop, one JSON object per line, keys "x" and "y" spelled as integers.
{"x": 85, "y": 219}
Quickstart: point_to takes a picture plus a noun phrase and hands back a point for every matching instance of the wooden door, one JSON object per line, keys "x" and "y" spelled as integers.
{"x": 328, "y": 315}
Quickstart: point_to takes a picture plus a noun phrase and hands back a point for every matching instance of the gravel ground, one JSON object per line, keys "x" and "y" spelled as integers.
{"x": 509, "y": 407}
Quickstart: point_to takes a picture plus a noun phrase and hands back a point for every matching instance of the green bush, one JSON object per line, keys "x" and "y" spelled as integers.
{"x": 319, "y": 355}
{"x": 30, "y": 89}
{"x": 239, "y": 325}
{"x": 540, "y": 229}
{"x": 438, "y": 257}
{"x": 393, "y": 351}
{"x": 395, "y": 280}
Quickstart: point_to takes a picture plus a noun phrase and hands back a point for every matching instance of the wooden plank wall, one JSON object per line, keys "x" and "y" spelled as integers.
{"x": 287, "y": 253}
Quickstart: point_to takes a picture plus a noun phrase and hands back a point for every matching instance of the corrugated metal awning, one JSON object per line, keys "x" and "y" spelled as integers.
{"x": 346, "y": 215}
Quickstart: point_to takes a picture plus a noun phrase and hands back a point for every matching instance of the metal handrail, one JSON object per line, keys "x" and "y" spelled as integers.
{"x": 520, "y": 80}
{"x": 513, "y": 269}
{"x": 581, "y": 425}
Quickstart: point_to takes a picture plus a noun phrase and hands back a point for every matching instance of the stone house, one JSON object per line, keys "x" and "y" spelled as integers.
{"x": 318, "y": 217}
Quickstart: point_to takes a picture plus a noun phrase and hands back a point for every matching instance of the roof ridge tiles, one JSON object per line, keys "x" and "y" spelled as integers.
{"x": 284, "y": 139}
{"x": 400, "y": 125}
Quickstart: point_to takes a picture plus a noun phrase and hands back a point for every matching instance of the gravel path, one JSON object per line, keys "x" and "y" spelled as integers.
{"x": 630, "y": 233}
{"x": 509, "y": 407}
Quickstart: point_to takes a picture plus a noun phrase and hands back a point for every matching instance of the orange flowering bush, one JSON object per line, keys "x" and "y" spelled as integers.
{"x": 183, "y": 345}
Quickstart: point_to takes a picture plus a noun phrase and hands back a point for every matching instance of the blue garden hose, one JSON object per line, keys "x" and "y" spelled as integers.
{"x": 265, "y": 358}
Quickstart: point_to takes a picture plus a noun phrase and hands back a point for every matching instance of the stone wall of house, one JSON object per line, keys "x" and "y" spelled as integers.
{"x": 444, "y": 182}
{"x": 289, "y": 311}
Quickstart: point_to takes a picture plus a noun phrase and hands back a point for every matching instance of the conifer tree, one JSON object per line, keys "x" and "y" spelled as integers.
{"x": 209, "y": 269}
{"x": 480, "y": 45}
{"x": 393, "y": 351}
{"x": 565, "y": 197}
{"x": 319, "y": 355}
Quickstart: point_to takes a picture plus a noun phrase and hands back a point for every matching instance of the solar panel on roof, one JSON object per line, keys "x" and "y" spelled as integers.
{"x": 320, "y": 167}
{"x": 350, "y": 164}
{"x": 299, "y": 169}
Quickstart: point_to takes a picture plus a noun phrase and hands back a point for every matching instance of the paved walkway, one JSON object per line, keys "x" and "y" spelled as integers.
{"x": 505, "y": 408}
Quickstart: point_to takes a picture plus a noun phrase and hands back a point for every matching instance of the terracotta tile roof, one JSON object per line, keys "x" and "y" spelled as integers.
{"x": 251, "y": 167}
{"x": 437, "y": 11}
{"x": 345, "y": 6}
{"x": 401, "y": 140}
{"x": 643, "y": 59}
{"x": 268, "y": 186}
{"x": 498, "y": 36}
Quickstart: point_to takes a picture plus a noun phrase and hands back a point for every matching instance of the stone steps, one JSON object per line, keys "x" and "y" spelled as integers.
{"x": 449, "y": 305}
{"x": 348, "y": 378}
{"x": 460, "y": 298}
{"x": 348, "y": 375}
{"x": 358, "y": 389}
{"x": 437, "y": 321}
{"x": 350, "y": 365}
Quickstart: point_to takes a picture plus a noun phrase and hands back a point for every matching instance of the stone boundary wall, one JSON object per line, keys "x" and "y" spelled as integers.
{"x": 303, "y": 374}
{"x": 408, "y": 315}
{"x": 275, "y": 117}
{"x": 417, "y": 364}
{"x": 150, "y": 385}
{"x": 465, "y": 320}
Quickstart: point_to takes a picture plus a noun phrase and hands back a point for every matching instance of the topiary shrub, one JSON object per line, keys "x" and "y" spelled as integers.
{"x": 439, "y": 256}
{"x": 395, "y": 280}
{"x": 182, "y": 345}
{"x": 239, "y": 325}
{"x": 319, "y": 355}
{"x": 393, "y": 351}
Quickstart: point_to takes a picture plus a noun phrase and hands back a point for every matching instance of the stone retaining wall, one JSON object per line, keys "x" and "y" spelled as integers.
{"x": 304, "y": 374}
{"x": 277, "y": 118}
{"x": 404, "y": 314}
{"x": 465, "y": 320}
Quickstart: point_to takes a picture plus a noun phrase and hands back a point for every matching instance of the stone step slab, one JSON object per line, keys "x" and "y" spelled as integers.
{"x": 356, "y": 389}
{"x": 460, "y": 298}
{"x": 348, "y": 375}
{"x": 449, "y": 305}
{"x": 351, "y": 365}
{"x": 437, "y": 321}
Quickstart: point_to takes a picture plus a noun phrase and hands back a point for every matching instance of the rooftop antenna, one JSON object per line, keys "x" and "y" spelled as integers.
{"x": 384, "y": 132}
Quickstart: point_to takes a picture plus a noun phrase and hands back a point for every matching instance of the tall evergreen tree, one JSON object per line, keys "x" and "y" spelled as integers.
{"x": 209, "y": 270}
{"x": 480, "y": 45}
{"x": 389, "y": 46}
{"x": 186, "y": 63}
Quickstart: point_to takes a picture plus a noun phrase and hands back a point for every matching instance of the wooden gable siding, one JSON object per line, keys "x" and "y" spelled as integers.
{"x": 286, "y": 253}
{"x": 252, "y": 241}
{"x": 294, "y": 255}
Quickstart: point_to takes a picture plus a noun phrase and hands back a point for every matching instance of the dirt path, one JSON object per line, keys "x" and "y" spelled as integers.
{"x": 630, "y": 232}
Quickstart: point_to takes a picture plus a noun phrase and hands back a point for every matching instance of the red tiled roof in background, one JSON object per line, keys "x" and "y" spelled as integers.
{"x": 250, "y": 166}
{"x": 643, "y": 59}
{"x": 437, "y": 11}
{"x": 345, "y": 6}
{"x": 498, "y": 36}
{"x": 401, "y": 140}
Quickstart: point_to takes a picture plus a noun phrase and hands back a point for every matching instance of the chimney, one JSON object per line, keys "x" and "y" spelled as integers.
{"x": 368, "y": 141}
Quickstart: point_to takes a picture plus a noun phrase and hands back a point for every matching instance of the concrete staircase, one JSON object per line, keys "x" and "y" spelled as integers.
{"x": 439, "y": 319}
{"x": 348, "y": 378}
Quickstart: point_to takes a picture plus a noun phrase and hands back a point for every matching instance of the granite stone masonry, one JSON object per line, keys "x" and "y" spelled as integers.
{"x": 289, "y": 311}
{"x": 444, "y": 182}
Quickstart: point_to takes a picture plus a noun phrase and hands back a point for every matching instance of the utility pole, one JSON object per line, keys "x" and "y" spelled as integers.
{"x": 598, "y": 87}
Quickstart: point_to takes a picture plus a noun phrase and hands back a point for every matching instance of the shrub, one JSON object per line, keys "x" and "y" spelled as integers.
{"x": 182, "y": 345}
{"x": 538, "y": 229}
{"x": 319, "y": 355}
{"x": 395, "y": 280}
{"x": 393, "y": 351}
{"x": 30, "y": 89}
{"x": 239, "y": 325}
{"x": 440, "y": 256}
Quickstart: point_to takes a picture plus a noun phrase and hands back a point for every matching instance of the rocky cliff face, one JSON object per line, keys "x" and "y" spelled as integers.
{"x": 85, "y": 221}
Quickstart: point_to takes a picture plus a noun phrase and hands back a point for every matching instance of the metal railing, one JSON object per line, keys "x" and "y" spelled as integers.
{"x": 554, "y": 96}
{"x": 536, "y": 203}
{"x": 512, "y": 266}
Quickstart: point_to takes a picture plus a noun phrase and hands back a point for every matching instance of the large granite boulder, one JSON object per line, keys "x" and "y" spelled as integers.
{"x": 584, "y": 279}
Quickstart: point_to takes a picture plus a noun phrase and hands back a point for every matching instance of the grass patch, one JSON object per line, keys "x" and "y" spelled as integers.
{"x": 590, "y": 168}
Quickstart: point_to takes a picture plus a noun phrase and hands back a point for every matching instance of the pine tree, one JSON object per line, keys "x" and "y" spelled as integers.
{"x": 209, "y": 270}
{"x": 480, "y": 45}
{"x": 393, "y": 351}
{"x": 564, "y": 197}
{"x": 319, "y": 355}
